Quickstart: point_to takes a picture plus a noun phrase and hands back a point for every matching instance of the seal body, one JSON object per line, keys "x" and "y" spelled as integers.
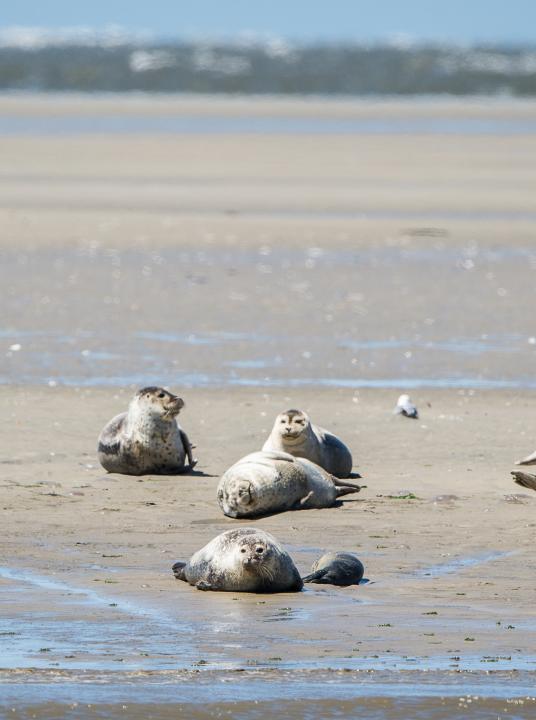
{"x": 294, "y": 433}
{"x": 270, "y": 482}
{"x": 337, "y": 568}
{"x": 241, "y": 560}
{"x": 146, "y": 438}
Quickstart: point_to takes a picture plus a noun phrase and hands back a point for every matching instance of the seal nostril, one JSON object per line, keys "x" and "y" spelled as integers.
{"x": 260, "y": 550}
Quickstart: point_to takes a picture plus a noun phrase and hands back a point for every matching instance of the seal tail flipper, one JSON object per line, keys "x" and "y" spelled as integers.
{"x": 343, "y": 487}
{"x": 178, "y": 570}
{"x": 348, "y": 490}
{"x": 524, "y": 479}
{"x": 342, "y": 482}
{"x": 529, "y": 460}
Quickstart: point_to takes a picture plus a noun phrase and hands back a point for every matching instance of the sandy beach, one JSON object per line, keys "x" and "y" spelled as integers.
{"x": 251, "y": 273}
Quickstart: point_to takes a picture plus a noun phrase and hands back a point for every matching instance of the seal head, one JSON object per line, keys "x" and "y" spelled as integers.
{"x": 294, "y": 433}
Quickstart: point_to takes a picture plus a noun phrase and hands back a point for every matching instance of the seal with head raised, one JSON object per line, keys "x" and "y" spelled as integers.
{"x": 147, "y": 438}
{"x": 270, "y": 482}
{"x": 294, "y": 433}
{"x": 241, "y": 560}
{"x": 336, "y": 568}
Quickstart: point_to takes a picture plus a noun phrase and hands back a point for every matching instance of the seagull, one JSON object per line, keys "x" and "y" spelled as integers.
{"x": 404, "y": 406}
{"x": 527, "y": 480}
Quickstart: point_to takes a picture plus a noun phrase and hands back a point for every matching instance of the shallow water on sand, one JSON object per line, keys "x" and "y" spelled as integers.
{"x": 422, "y": 348}
{"x": 95, "y": 653}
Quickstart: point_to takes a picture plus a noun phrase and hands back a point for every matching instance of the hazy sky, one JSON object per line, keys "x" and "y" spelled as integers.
{"x": 453, "y": 20}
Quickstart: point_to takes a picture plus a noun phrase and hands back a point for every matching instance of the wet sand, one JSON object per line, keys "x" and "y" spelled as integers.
{"x": 250, "y": 274}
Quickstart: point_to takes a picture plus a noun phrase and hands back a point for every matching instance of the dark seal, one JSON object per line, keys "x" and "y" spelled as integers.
{"x": 338, "y": 568}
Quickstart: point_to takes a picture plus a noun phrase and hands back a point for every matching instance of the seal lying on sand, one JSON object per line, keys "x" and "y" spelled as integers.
{"x": 241, "y": 560}
{"x": 294, "y": 433}
{"x": 338, "y": 568}
{"x": 525, "y": 479}
{"x": 146, "y": 438}
{"x": 268, "y": 482}
{"x": 405, "y": 407}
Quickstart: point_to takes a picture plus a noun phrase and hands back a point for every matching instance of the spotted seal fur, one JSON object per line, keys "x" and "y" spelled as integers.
{"x": 241, "y": 560}
{"x": 294, "y": 433}
{"x": 269, "y": 482}
{"x": 147, "y": 438}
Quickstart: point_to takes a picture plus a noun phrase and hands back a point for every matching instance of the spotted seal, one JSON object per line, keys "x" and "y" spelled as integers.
{"x": 241, "y": 560}
{"x": 146, "y": 438}
{"x": 294, "y": 433}
{"x": 269, "y": 482}
{"x": 336, "y": 568}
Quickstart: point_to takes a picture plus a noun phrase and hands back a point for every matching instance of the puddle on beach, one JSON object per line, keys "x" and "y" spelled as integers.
{"x": 266, "y": 125}
{"x": 257, "y": 695}
{"x": 77, "y": 651}
{"x": 457, "y": 564}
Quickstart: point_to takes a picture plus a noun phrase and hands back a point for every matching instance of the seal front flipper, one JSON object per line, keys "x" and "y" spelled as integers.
{"x": 305, "y": 499}
{"x": 178, "y": 570}
{"x": 316, "y": 577}
{"x": 524, "y": 479}
{"x": 204, "y": 585}
{"x": 192, "y": 462}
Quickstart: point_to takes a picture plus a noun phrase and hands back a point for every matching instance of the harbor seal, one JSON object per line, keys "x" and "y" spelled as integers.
{"x": 336, "y": 568}
{"x": 241, "y": 560}
{"x": 269, "y": 482}
{"x": 294, "y": 433}
{"x": 146, "y": 438}
{"x": 405, "y": 407}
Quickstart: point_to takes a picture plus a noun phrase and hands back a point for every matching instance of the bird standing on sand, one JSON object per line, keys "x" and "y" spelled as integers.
{"x": 405, "y": 407}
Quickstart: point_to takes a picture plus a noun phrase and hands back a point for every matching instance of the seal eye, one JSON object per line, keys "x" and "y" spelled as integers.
{"x": 243, "y": 550}
{"x": 161, "y": 395}
{"x": 259, "y": 550}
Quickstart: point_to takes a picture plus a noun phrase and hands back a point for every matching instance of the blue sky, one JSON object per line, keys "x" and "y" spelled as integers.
{"x": 451, "y": 20}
